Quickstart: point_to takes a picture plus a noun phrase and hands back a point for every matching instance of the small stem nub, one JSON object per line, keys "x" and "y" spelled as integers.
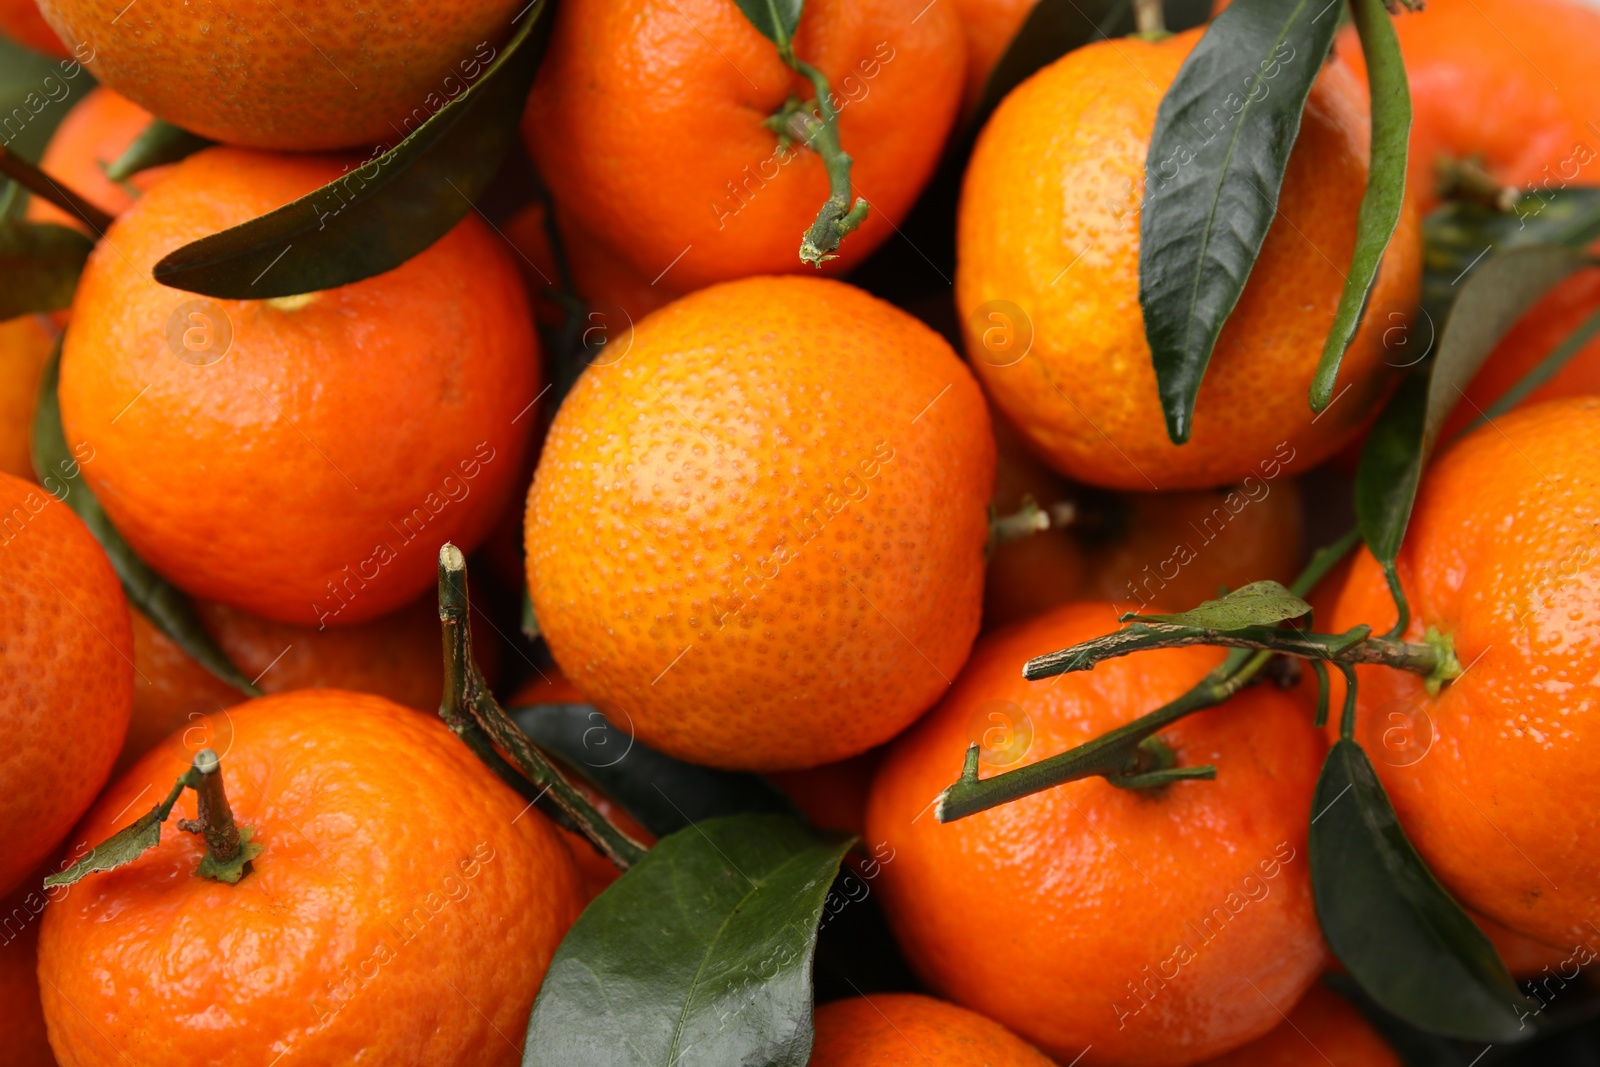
{"x": 1149, "y": 19}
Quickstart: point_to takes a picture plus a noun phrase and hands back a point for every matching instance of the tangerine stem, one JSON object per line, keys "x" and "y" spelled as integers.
{"x": 472, "y": 713}
{"x": 838, "y": 216}
{"x": 214, "y": 811}
{"x": 1149, "y": 20}
{"x": 42, "y": 185}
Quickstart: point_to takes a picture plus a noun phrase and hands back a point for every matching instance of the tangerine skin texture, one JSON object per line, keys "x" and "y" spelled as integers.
{"x": 288, "y": 74}
{"x": 1322, "y": 1028}
{"x": 1508, "y": 83}
{"x": 757, "y": 538}
{"x": 402, "y": 910}
{"x": 907, "y": 1030}
{"x": 1021, "y": 912}
{"x": 647, "y": 122}
{"x": 1049, "y": 222}
{"x": 1503, "y": 556}
{"x": 66, "y": 673}
{"x": 312, "y": 472}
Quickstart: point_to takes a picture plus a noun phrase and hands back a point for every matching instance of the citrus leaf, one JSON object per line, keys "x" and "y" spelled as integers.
{"x": 1256, "y": 604}
{"x": 118, "y": 850}
{"x": 775, "y": 19}
{"x": 40, "y": 264}
{"x": 1386, "y": 185}
{"x": 1222, "y": 139}
{"x": 1459, "y": 236}
{"x": 160, "y": 143}
{"x": 59, "y": 471}
{"x": 1052, "y": 29}
{"x": 382, "y": 212}
{"x": 1491, "y": 301}
{"x": 663, "y": 793}
{"x": 1406, "y": 942}
{"x": 700, "y": 953}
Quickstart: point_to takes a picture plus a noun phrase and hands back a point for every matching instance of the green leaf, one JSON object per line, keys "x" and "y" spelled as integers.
{"x": 699, "y": 954}
{"x": 118, "y": 850}
{"x": 160, "y": 143}
{"x": 1491, "y": 301}
{"x": 59, "y": 471}
{"x": 40, "y": 264}
{"x": 1406, "y": 942}
{"x": 1052, "y": 29}
{"x": 1256, "y": 604}
{"x": 663, "y": 793}
{"x": 1212, "y": 178}
{"x": 776, "y": 19}
{"x": 381, "y": 213}
{"x": 1386, "y": 185}
{"x": 1459, "y": 236}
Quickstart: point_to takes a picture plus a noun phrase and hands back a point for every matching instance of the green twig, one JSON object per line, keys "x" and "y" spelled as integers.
{"x": 1132, "y": 756}
{"x": 472, "y": 713}
{"x": 838, "y": 216}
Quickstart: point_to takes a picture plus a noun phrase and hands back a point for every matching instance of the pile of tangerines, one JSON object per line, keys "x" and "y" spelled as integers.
{"x": 1037, "y": 670}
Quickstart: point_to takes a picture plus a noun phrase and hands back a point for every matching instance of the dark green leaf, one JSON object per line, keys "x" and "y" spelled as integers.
{"x": 1492, "y": 300}
{"x": 1386, "y": 185}
{"x": 1460, "y": 236}
{"x": 1052, "y": 29}
{"x": 159, "y": 144}
{"x": 1256, "y": 604}
{"x": 1394, "y": 927}
{"x": 58, "y": 469}
{"x": 1215, "y": 166}
{"x": 699, "y": 954}
{"x": 39, "y": 265}
{"x": 121, "y": 848}
{"x": 663, "y": 793}
{"x": 381, "y": 213}
{"x": 776, "y": 19}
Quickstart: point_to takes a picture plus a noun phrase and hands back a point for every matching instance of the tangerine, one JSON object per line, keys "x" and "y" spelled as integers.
{"x": 300, "y": 458}
{"x": 1048, "y": 267}
{"x": 650, "y": 124}
{"x": 394, "y": 656}
{"x": 20, "y": 1011}
{"x": 67, "y": 681}
{"x": 1098, "y": 922}
{"x": 25, "y": 345}
{"x": 1545, "y": 326}
{"x": 1502, "y": 557}
{"x": 91, "y": 138}
{"x": 404, "y": 910}
{"x": 1322, "y": 1028}
{"x": 21, "y": 21}
{"x": 990, "y": 27}
{"x": 1506, "y": 84}
{"x": 289, "y": 74}
{"x": 760, "y": 533}
{"x": 908, "y": 1030}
